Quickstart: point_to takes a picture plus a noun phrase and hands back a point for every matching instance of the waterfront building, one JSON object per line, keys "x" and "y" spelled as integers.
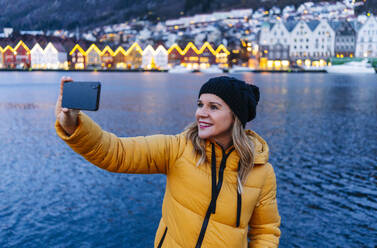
{"x": 148, "y": 61}
{"x": 345, "y": 39}
{"x": 302, "y": 42}
{"x": 107, "y": 58}
{"x": 274, "y": 47}
{"x": 22, "y": 55}
{"x": 37, "y": 56}
{"x": 77, "y": 58}
{"x": 93, "y": 55}
{"x": 324, "y": 44}
{"x": 312, "y": 43}
{"x": 161, "y": 58}
{"x": 366, "y": 45}
{"x": 134, "y": 56}
{"x": 9, "y": 57}
{"x": 191, "y": 56}
{"x": 175, "y": 55}
{"x": 222, "y": 56}
{"x": 120, "y": 60}
{"x": 207, "y": 56}
{"x": 55, "y": 56}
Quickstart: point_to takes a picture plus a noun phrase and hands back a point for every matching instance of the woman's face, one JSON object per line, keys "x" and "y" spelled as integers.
{"x": 215, "y": 119}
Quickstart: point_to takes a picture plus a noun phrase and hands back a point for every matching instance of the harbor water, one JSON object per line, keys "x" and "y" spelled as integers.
{"x": 321, "y": 129}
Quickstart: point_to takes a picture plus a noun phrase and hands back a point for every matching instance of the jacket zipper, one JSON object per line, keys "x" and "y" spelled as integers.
{"x": 215, "y": 192}
{"x": 162, "y": 238}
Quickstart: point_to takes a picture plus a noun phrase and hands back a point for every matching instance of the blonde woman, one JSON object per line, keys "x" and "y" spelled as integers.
{"x": 221, "y": 190}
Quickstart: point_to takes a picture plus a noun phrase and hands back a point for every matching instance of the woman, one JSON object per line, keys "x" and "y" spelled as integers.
{"x": 221, "y": 190}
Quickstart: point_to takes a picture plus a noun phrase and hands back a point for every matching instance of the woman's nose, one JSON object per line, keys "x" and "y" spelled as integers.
{"x": 202, "y": 112}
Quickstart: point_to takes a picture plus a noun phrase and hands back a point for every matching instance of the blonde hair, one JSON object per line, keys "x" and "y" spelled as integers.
{"x": 243, "y": 145}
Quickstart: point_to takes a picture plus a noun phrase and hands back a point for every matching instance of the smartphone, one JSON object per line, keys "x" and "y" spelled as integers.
{"x": 81, "y": 95}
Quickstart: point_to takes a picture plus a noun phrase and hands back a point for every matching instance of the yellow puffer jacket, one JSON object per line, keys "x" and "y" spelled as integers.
{"x": 196, "y": 212}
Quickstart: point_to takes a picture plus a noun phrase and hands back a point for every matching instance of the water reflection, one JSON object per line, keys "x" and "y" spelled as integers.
{"x": 321, "y": 130}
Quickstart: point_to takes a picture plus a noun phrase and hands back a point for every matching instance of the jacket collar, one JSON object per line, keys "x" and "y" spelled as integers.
{"x": 261, "y": 151}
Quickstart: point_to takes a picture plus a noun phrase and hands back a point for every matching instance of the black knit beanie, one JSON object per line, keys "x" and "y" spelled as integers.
{"x": 242, "y": 98}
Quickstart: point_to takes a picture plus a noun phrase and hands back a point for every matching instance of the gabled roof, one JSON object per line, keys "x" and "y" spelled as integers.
{"x": 343, "y": 28}
{"x": 59, "y": 46}
{"x": 290, "y": 25}
{"x": 149, "y": 49}
{"x": 93, "y": 47}
{"x": 222, "y": 48}
{"x": 107, "y": 49}
{"x": 177, "y": 47}
{"x": 35, "y": 47}
{"x": 335, "y": 25}
{"x": 21, "y": 44}
{"x": 160, "y": 49}
{"x": 79, "y": 48}
{"x": 121, "y": 50}
{"x": 192, "y": 46}
{"x": 356, "y": 25}
{"x": 313, "y": 24}
{"x": 207, "y": 45}
{"x": 135, "y": 46}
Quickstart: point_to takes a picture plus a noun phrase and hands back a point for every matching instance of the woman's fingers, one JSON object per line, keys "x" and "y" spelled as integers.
{"x": 66, "y": 117}
{"x": 62, "y": 81}
{"x": 60, "y": 97}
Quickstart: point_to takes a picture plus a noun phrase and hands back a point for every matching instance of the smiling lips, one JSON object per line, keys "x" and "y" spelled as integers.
{"x": 203, "y": 124}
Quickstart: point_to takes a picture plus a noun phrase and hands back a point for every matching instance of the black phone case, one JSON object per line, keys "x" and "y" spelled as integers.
{"x": 81, "y": 95}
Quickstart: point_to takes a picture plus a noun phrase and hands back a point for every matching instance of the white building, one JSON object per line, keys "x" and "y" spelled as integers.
{"x": 161, "y": 58}
{"x": 273, "y": 33}
{"x": 302, "y": 40}
{"x": 37, "y": 57}
{"x": 55, "y": 56}
{"x": 157, "y": 58}
{"x": 308, "y": 43}
{"x": 324, "y": 41}
{"x": 366, "y": 45}
{"x": 148, "y": 57}
{"x": 274, "y": 45}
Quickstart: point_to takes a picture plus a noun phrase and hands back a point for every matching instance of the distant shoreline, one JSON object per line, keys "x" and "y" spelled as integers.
{"x": 115, "y": 70}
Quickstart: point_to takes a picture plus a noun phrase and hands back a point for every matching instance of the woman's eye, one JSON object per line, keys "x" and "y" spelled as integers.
{"x": 200, "y": 104}
{"x": 213, "y": 107}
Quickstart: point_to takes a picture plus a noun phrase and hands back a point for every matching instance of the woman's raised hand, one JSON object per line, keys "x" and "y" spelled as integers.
{"x": 67, "y": 118}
